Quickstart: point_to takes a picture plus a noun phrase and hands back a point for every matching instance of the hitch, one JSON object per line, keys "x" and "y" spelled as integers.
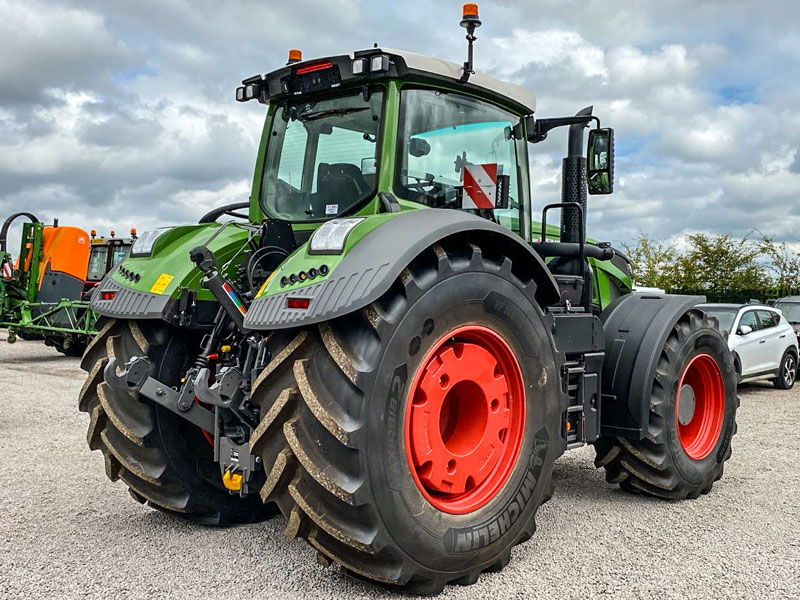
{"x": 135, "y": 377}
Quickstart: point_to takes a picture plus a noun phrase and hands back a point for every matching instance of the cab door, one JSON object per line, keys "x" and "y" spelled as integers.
{"x": 750, "y": 346}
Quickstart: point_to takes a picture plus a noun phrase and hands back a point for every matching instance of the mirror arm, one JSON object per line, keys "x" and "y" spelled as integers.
{"x": 539, "y": 128}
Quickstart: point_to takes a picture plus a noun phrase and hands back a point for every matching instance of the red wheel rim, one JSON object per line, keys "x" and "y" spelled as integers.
{"x": 700, "y": 406}
{"x": 465, "y": 416}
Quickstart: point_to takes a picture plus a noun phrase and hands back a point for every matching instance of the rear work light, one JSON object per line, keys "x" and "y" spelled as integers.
{"x": 248, "y": 92}
{"x": 300, "y": 303}
{"x": 359, "y": 66}
{"x": 107, "y": 295}
{"x": 379, "y": 63}
{"x": 317, "y": 67}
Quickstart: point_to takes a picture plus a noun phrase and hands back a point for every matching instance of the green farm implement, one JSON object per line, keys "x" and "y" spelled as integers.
{"x": 44, "y": 294}
{"x": 385, "y": 346}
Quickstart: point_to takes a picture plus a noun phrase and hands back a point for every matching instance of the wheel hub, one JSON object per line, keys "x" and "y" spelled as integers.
{"x": 700, "y": 406}
{"x": 686, "y": 404}
{"x": 464, "y": 419}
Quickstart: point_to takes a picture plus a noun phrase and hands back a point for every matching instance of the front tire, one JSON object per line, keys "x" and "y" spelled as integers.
{"x": 164, "y": 460}
{"x": 787, "y": 374}
{"x": 692, "y": 418}
{"x": 344, "y": 431}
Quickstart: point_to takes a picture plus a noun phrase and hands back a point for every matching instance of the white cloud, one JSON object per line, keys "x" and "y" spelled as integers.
{"x": 119, "y": 114}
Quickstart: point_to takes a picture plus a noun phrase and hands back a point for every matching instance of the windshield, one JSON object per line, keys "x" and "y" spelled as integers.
{"x": 98, "y": 257}
{"x": 725, "y": 316}
{"x": 458, "y": 152}
{"x": 322, "y": 157}
{"x": 790, "y": 310}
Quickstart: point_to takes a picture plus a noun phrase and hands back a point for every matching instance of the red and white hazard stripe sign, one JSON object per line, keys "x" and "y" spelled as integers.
{"x": 480, "y": 186}
{"x": 7, "y": 271}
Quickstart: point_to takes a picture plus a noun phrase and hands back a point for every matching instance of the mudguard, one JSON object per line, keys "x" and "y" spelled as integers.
{"x": 150, "y": 287}
{"x": 375, "y": 261}
{"x": 636, "y": 327}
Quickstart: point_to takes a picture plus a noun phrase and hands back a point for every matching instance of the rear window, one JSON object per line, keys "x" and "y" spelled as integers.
{"x": 790, "y": 310}
{"x": 768, "y": 319}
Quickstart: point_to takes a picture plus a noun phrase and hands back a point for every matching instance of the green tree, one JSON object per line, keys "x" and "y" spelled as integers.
{"x": 653, "y": 262}
{"x": 717, "y": 263}
{"x": 783, "y": 264}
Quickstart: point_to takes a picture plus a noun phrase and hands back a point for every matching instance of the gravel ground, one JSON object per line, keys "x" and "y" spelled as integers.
{"x": 68, "y": 532}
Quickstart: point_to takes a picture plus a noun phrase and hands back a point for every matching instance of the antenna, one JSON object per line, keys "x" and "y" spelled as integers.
{"x": 469, "y": 21}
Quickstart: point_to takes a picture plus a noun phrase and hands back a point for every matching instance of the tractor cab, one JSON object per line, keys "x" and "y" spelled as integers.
{"x": 384, "y": 131}
{"x": 105, "y": 254}
{"x": 387, "y": 130}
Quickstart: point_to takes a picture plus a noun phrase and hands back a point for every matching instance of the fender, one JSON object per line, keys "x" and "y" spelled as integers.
{"x": 150, "y": 287}
{"x": 636, "y": 328}
{"x": 374, "y": 263}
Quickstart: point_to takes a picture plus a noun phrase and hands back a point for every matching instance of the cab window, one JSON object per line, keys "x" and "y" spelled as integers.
{"x": 119, "y": 252}
{"x": 457, "y": 152}
{"x": 321, "y": 157}
{"x": 98, "y": 259}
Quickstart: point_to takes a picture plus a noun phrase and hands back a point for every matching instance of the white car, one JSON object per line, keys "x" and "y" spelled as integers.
{"x": 763, "y": 343}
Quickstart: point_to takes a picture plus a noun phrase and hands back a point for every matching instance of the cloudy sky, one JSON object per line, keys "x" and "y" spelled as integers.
{"x": 115, "y": 114}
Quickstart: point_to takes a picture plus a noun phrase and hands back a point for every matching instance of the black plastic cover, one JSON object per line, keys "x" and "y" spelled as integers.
{"x": 369, "y": 269}
{"x": 636, "y": 327}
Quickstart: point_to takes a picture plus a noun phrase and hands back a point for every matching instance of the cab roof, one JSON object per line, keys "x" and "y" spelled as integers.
{"x": 444, "y": 68}
{"x": 307, "y": 77}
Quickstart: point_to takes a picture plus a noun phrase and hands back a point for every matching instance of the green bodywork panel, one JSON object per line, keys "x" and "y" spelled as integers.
{"x": 606, "y": 273}
{"x": 168, "y": 268}
{"x": 170, "y": 255}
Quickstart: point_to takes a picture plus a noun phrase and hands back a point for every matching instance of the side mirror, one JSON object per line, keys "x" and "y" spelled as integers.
{"x": 369, "y": 166}
{"x": 600, "y": 161}
{"x": 745, "y": 329}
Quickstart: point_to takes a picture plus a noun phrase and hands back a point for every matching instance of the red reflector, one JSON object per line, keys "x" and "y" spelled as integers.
{"x": 312, "y": 68}
{"x": 108, "y": 295}
{"x": 301, "y": 303}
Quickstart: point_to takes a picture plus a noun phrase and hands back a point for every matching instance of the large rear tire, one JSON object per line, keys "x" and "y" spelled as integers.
{"x": 692, "y": 418}
{"x": 345, "y": 432}
{"x": 164, "y": 460}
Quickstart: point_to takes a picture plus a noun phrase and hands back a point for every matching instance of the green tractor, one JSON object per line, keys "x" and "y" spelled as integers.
{"x": 387, "y": 348}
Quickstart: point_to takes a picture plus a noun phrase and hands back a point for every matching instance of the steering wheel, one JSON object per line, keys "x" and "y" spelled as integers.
{"x": 228, "y": 209}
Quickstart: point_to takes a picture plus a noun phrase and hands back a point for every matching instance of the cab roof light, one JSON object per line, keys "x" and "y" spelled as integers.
{"x": 247, "y": 92}
{"x": 379, "y": 63}
{"x": 359, "y": 66}
{"x": 469, "y": 21}
{"x": 93, "y": 233}
{"x": 470, "y": 12}
{"x": 295, "y": 56}
{"x": 312, "y": 68}
{"x": 133, "y": 232}
{"x": 113, "y": 233}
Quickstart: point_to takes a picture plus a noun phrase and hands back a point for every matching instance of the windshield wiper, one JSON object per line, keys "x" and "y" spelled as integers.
{"x": 311, "y": 116}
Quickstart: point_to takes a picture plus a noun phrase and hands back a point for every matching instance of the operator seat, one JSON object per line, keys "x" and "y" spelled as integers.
{"x": 339, "y": 185}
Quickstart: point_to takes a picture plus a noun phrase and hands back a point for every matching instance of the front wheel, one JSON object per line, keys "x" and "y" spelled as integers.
{"x": 788, "y": 371}
{"x": 691, "y": 418}
{"x": 413, "y": 442}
